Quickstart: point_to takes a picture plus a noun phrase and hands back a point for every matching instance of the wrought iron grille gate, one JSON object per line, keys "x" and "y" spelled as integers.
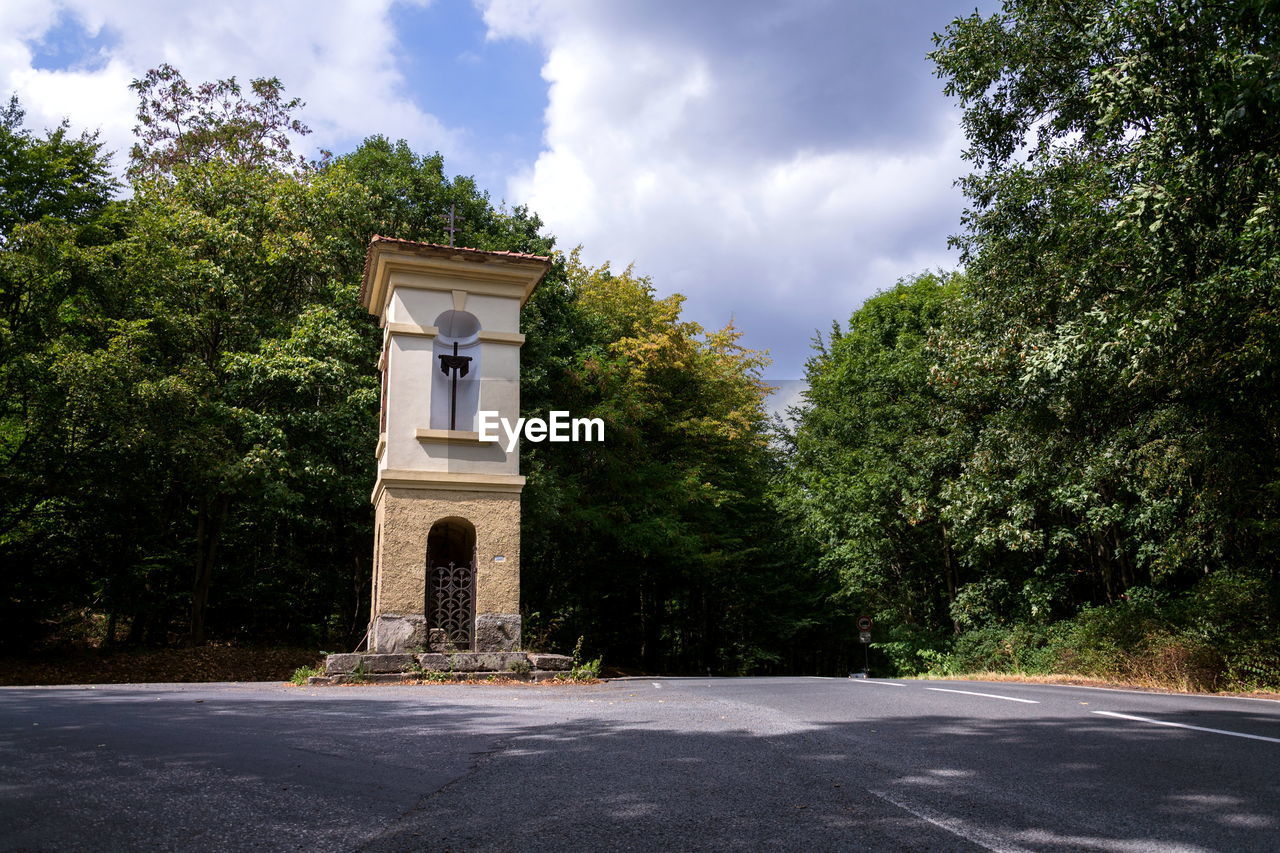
{"x": 452, "y": 608}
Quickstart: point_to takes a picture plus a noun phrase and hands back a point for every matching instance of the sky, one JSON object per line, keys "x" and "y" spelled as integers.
{"x": 775, "y": 162}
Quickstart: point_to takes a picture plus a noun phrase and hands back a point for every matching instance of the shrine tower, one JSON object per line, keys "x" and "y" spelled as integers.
{"x": 446, "y": 547}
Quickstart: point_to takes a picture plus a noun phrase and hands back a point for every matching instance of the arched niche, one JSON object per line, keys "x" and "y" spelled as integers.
{"x": 451, "y": 581}
{"x": 459, "y": 334}
{"x": 451, "y": 540}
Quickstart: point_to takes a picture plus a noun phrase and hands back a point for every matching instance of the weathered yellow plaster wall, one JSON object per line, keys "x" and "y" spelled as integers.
{"x": 404, "y": 517}
{"x": 378, "y": 516}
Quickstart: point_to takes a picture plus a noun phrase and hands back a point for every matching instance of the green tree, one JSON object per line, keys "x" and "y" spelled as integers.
{"x": 57, "y": 176}
{"x": 203, "y": 389}
{"x": 240, "y": 278}
{"x": 410, "y": 197}
{"x": 1078, "y": 444}
{"x": 56, "y": 214}
{"x": 870, "y": 454}
{"x": 181, "y": 126}
{"x": 654, "y": 544}
{"x": 193, "y": 452}
{"x": 1122, "y": 255}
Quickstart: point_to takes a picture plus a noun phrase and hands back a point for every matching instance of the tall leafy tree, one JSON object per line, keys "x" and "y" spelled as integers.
{"x": 58, "y": 176}
{"x": 242, "y": 274}
{"x": 659, "y": 544}
{"x": 241, "y": 282}
{"x": 1088, "y": 425}
{"x": 56, "y": 212}
{"x": 1123, "y": 257}
{"x": 409, "y": 196}
{"x": 181, "y": 125}
{"x": 193, "y": 454}
{"x": 204, "y": 388}
{"x": 870, "y": 453}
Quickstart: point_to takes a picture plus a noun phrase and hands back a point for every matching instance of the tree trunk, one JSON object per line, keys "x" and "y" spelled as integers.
{"x": 208, "y": 532}
{"x": 137, "y": 628}
{"x": 113, "y": 618}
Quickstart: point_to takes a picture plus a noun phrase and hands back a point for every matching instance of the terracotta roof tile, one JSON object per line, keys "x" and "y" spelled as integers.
{"x": 437, "y": 249}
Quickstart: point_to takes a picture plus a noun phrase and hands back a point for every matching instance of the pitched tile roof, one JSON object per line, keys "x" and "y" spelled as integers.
{"x": 437, "y": 250}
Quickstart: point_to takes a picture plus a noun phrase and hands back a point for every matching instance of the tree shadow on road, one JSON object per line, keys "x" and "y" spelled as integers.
{"x": 522, "y": 769}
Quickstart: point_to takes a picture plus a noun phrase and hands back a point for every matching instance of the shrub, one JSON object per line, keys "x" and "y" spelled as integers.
{"x": 302, "y": 673}
{"x": 910, "y": 650}
{"x": 998, "y": 648}
{"x": 587, "y": 671}
{"x": 1238, "y": 617}
{"x": 1221, "y": 635}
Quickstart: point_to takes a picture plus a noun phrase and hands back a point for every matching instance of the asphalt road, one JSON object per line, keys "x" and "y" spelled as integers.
{"x": 655, "y": 764}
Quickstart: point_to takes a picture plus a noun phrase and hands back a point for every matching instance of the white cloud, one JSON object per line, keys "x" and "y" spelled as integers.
{"x": 774, "y": 165}
{"x": 340, "y": 57}
{"x": 775, "y": 162}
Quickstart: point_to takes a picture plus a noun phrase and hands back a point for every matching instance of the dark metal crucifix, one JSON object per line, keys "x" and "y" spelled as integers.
{"x": 455, "y": 367}
{"x": 451, "y": 228}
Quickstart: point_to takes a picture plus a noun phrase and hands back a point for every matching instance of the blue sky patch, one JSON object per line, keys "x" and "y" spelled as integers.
{"x": 69, "y": 45}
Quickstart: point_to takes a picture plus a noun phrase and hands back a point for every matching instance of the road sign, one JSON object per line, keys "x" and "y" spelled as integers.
{"x": 864, "y": 636}
{"x": 864, "y": 623}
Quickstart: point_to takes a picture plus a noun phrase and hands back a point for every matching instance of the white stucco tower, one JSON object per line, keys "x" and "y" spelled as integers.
{"x": 446, "y": 561}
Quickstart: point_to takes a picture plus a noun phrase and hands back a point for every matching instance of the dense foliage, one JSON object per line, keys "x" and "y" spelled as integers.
{"x": 191, "y": 404}
{"x": 1064, "y": 458}
{"x": 1087, "y": 427}
{"x": 868, "y": 458}
{"x": 660, "y": 545}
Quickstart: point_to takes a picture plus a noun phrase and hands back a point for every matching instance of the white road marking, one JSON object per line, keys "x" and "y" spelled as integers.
{"x": 1044, "y": 838}
{"x": 1184, "y": 726}
{"x": 955, "y": 826}
{"x": 656, "y": 684}
{"x": 1154, "y": 692}
{"x": 869, "y": 681}
{"x": 988, "y": 695}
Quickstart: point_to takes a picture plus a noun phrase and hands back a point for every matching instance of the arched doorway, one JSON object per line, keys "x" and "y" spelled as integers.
{"x": 451, "y": 580}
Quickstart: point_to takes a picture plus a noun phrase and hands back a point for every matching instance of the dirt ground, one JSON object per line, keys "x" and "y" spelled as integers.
{"x": 206, "y": 663}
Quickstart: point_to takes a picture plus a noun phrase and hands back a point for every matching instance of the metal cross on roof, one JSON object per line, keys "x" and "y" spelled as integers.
{"x": 451, "y": 228}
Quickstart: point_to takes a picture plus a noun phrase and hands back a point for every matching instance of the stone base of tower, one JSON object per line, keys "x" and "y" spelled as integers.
{"x": 360, "y": 668}
{"x": 446, "y": 573}
{"x": 395, "y": 633}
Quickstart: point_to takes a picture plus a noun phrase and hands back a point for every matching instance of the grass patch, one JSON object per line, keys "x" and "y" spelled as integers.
{"x": 1145, "y": 684}
{"x": 302, "y": 673}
